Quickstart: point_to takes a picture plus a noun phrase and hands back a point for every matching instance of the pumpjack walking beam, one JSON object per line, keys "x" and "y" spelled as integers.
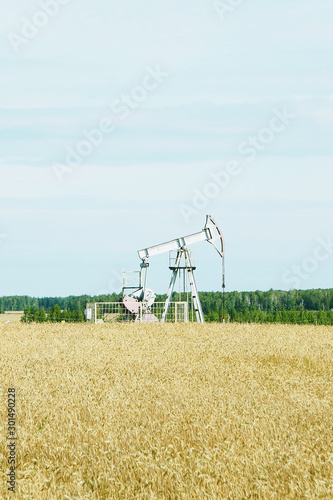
{"x": 211, "y": 233}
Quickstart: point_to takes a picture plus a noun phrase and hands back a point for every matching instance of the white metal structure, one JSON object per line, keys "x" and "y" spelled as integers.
{"x": 182, "y": 262}
{"x": 138, "y": 302}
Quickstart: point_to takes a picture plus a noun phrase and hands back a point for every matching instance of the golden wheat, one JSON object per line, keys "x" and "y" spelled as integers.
{"x": 169, "y": 411}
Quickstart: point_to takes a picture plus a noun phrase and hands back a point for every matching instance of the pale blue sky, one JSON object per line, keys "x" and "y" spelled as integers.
{"x": 223, "y": 80}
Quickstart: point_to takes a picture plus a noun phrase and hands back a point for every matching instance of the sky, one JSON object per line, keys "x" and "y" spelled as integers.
{"x": 123, "y": 123}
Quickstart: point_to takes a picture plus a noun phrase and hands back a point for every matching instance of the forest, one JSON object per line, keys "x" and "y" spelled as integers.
{"x": 273, "y": 306}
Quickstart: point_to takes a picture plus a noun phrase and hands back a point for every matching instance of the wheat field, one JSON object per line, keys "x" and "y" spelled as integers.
{"x": 169, "y": 411}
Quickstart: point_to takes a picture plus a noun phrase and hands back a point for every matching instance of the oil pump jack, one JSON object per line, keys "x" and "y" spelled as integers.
{"x": 181, "y": 265}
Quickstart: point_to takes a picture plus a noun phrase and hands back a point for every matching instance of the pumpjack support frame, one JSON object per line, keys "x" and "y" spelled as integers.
{"x": 211, "y": 233}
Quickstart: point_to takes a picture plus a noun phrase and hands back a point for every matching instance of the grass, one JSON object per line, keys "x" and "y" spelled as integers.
{"x": 169, "y": 411}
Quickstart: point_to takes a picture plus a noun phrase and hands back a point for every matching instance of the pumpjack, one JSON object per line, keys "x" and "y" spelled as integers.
{"x": 181, "y": 264}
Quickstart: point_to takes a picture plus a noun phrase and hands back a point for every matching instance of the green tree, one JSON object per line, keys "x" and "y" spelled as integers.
{"x": 42, "y": 317}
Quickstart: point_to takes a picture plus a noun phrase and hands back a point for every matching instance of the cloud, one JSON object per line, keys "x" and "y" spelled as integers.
{"x": 225, "y": 80}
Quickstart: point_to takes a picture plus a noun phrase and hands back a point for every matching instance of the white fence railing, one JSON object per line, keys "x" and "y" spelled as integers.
{"x": 115, "y": 312}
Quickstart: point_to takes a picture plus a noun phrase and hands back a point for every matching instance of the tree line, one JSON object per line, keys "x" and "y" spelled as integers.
{"x": 73, "y": 302}
{"x": 54, "y": 315}
{"x": 273, "y": 306}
